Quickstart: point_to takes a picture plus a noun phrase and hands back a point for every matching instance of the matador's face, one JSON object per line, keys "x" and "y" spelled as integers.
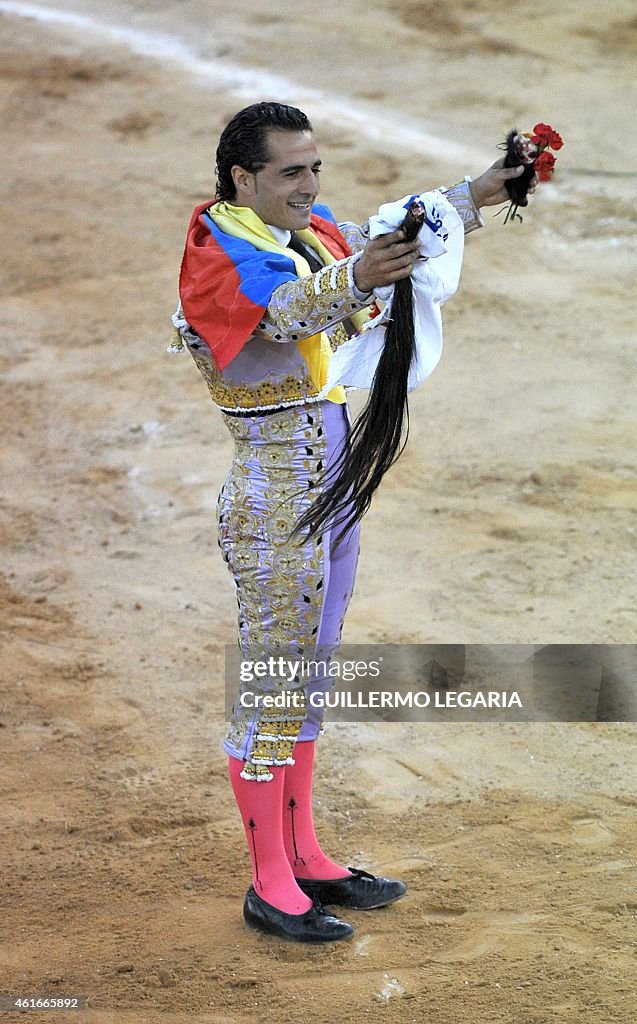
{"x": 282, "y": 193}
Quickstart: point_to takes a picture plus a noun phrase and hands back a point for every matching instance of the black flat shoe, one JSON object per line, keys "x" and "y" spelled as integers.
{"x": 315, "y": 925}
{"x": 358, "y": 891}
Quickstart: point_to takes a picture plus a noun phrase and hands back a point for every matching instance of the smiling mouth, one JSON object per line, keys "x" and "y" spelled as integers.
{"x": 300, "y": 206}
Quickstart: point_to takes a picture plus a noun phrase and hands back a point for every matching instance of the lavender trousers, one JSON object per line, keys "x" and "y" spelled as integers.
{"x": 292, "y": 594}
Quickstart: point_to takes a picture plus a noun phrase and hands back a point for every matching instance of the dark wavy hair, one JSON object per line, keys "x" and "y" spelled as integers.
{"x": 244, "y": 140}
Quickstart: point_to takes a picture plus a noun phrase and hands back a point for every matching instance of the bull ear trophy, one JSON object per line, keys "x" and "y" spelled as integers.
{"x": 380, "y": 432}
{"x": 531, "y": 150}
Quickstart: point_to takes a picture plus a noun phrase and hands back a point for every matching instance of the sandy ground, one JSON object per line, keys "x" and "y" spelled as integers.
{"x": 509, "y": 519}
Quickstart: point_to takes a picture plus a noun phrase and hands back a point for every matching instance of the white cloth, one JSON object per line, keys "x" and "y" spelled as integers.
{"x": 434, "y": 279}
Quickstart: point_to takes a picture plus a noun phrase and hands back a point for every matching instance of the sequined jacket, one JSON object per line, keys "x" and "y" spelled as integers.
{"x": 269, "y": 372}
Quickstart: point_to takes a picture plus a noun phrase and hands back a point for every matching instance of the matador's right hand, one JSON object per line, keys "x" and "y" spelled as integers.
{"x": 385, "y": 260}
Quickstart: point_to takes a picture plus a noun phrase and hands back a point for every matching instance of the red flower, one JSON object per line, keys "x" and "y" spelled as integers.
{"x": 544, "y": 135}
{"x": 544, "y": 166}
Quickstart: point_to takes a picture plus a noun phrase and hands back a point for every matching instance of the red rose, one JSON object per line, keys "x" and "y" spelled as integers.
{"x": 544, "y": 166}
{"x": 544, "y": 135}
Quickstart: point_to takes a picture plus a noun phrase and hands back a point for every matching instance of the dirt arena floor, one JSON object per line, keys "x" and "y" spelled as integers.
{"x": 509, "y": 519}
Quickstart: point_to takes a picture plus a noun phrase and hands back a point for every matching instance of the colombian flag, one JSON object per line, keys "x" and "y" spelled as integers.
{"x": 231, "y": 266}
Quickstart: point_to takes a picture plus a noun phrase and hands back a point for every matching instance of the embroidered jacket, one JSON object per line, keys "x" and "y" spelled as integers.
{"x": 279, "y": 324}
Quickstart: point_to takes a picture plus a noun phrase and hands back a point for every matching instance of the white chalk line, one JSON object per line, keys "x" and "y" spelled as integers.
{"x": 253, "y": 83}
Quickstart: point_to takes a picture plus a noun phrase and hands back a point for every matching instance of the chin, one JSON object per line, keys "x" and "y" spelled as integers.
{"x": 304, "y": 220}
{"x": 299, "y": 219}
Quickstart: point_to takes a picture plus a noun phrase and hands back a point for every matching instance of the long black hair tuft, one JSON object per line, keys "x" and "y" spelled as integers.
{"x": 379, "y": 434}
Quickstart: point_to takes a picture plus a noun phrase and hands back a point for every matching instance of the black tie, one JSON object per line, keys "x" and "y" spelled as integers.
{"x": 308, "y": 254}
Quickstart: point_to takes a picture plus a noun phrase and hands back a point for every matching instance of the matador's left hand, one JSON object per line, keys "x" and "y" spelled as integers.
{"x": 489, "y": 188}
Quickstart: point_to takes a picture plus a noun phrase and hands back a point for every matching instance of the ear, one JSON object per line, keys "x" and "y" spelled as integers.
{"x": 244, "y": 181}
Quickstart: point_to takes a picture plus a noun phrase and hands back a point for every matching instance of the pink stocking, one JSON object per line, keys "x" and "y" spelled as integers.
{"x": 302, "y": 847}
{"x": 261, "y": 807}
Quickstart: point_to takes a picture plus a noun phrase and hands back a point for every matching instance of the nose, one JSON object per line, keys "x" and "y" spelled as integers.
{"x": 309, "y": 182}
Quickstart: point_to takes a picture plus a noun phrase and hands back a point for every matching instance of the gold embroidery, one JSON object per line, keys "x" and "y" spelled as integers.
{"x": 256, "y": 772}
{"x": 269, "y": 752}
{"x": 338, "y": 336}
{"x": 292, "y": 303}
{"x": 279, "y": 583}
{"x": 267, "y": 394}
{"x": 341, "y": 283}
